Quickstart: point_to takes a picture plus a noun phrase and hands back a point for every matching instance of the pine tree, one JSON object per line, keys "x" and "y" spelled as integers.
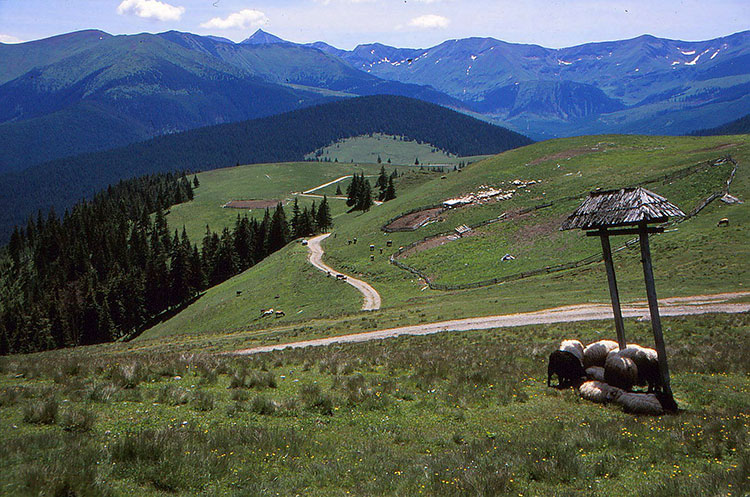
{"x": 390, "y": 192}
{"x": 295, "y": 220}
{"x": 364, "y": 198}
{"x": 278, "y": 233}
{"x": 196, "y": 183}
{"x": 323, "y": 218}
{"x": 338, "y": 190}
{"x": 353, "y": 191}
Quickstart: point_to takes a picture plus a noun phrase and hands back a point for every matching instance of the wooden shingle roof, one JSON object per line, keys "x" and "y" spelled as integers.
{"x": 626, "y": 206}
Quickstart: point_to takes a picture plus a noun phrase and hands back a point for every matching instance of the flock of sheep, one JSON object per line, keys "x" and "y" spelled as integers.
{"x": 603, "y": 373}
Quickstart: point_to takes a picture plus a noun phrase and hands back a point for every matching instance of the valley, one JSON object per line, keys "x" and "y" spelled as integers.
{"x": 272, "y": 267}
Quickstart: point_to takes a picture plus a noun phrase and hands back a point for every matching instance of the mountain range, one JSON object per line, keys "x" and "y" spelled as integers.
{"x": 89, "y": 90}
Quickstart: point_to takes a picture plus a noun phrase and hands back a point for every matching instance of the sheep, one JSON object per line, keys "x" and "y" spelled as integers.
{"x": 639, "y": 403}
{"x": 647, "y": 362}
{"x": 595, "y": 373}
{"x": 598, "y": 392}
{"x": 566, "y": 366}
{"x": 620, "y": 371}
{"x": 596, "y": 353}
{"x": 574, "y": 347}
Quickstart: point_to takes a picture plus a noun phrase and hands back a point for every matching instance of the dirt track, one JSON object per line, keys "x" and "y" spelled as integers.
{"x": 678, "y": 306}
{"x": 372, "y": 297}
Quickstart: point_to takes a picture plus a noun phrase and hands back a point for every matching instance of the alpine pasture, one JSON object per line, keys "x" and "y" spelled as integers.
{"x": 455, "y": 413}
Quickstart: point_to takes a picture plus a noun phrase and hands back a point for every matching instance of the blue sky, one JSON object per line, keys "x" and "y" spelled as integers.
{"x": 404, "y": 23}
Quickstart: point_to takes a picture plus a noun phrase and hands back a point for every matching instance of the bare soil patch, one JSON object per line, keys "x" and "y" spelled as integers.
{"x": 415, "y": 219}
{"x": 250, "y": 204}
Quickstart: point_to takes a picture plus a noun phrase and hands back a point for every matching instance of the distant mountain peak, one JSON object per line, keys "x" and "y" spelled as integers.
{"x": 260, "y": 37}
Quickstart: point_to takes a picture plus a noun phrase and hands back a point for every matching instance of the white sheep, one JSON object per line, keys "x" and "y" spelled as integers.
{"x": 598, "y": 392}
{"x": 647, "y": 362}
{"x": 595, "y": 373}
{"x": 620, "y": 371}
{"x": 596, "y": 353}
{"x": 639, "y": 403}
{"x": 575, "y": 347}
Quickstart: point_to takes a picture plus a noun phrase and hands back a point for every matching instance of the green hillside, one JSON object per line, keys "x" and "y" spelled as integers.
{"x": 460, "y": 413}
{"x": 695, "y": 258}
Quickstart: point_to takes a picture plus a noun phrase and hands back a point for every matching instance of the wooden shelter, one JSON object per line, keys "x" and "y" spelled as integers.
{"x": 628, "y": 211}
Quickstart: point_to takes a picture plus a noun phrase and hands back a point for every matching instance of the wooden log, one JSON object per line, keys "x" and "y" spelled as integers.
{"x": 653, "y": 307}
{"x": 613, "y": 292}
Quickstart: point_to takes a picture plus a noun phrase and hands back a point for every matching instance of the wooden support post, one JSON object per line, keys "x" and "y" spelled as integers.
{"x": 653, "y": 307}
{"x": 613, "y": 293}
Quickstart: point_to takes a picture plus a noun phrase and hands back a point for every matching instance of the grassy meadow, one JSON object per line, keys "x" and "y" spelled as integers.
{"x": 450, "y": 414}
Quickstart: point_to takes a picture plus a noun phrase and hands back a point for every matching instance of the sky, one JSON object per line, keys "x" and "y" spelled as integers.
{"x": 402, "y": 23}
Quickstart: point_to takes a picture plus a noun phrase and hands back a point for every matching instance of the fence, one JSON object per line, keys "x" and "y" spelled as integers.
{"x": 682, "y": 173}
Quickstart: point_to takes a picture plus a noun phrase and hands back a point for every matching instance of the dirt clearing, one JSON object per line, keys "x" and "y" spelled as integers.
{"x": 250, "y": 204}
{"x": 414, "y": 220}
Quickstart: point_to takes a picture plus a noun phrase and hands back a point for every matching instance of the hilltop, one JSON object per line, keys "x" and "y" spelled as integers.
{"x": 286, "y": 137}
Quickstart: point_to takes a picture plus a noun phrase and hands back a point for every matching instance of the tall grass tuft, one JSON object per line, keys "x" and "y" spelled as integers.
{"x": 41, "y": 411}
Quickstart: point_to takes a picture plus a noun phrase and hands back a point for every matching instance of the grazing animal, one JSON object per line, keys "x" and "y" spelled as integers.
{"x": 599, "y": 392}
{"x": 723, "y": 222}
{"x": 341, "y": 277}
{"x": 647, "y": 362}
{"x": 596, "y": 353}
{"x": 279, "y": 314}
{"x": 574, "y": 347}
{"x": 567, "y": 367}
{"x": 653, "y": 404}
{"x": 620, "y": 371}
{"x": 266, "y": 312}
{"x": 595, "y": 373}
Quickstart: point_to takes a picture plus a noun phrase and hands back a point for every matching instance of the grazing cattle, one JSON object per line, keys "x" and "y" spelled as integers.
{"x": 723, "y": 222}
{"x": 266, "y": 312}
{"x": 239, "y": 292}
{"x": 279, "y": 314}
{"x": 372, "y": 248}
{"x": 341, "y": 277}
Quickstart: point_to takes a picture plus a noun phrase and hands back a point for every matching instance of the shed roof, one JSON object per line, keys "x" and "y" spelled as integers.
{"x": 626, "y": 206}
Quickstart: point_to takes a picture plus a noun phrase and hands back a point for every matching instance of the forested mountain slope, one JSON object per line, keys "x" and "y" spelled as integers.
{"x": 286, "y": 137}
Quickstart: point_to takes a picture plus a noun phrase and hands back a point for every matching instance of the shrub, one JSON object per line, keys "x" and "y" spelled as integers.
{"x": 315, "y": 400}
{"x": 263, "y": 405}
{"x": 77, "y": 420}
{"x": 204, "y": 401}
{"x": 41, "y": 412}
{"x": 103, "y": 392}
{"x": 174, "y": 395}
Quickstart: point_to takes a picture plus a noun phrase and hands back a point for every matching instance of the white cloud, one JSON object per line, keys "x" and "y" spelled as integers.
{"x": 151, "y": 9}
{"x": 429, "y": 21}
{"x": 246, "y": 18}
{"x": 9, "y": 39}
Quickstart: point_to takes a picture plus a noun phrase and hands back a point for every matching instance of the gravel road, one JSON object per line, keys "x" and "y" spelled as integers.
{"x": 371, "y": 296}
{"x": 679, "y": 306}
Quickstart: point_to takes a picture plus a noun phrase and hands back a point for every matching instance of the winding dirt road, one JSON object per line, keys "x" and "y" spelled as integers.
{"x": 372, "y": 297}
{"x": 678, "y": 306}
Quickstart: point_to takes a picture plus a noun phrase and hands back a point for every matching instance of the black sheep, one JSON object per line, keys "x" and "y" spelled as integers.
{"x": 567, "y": 367}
